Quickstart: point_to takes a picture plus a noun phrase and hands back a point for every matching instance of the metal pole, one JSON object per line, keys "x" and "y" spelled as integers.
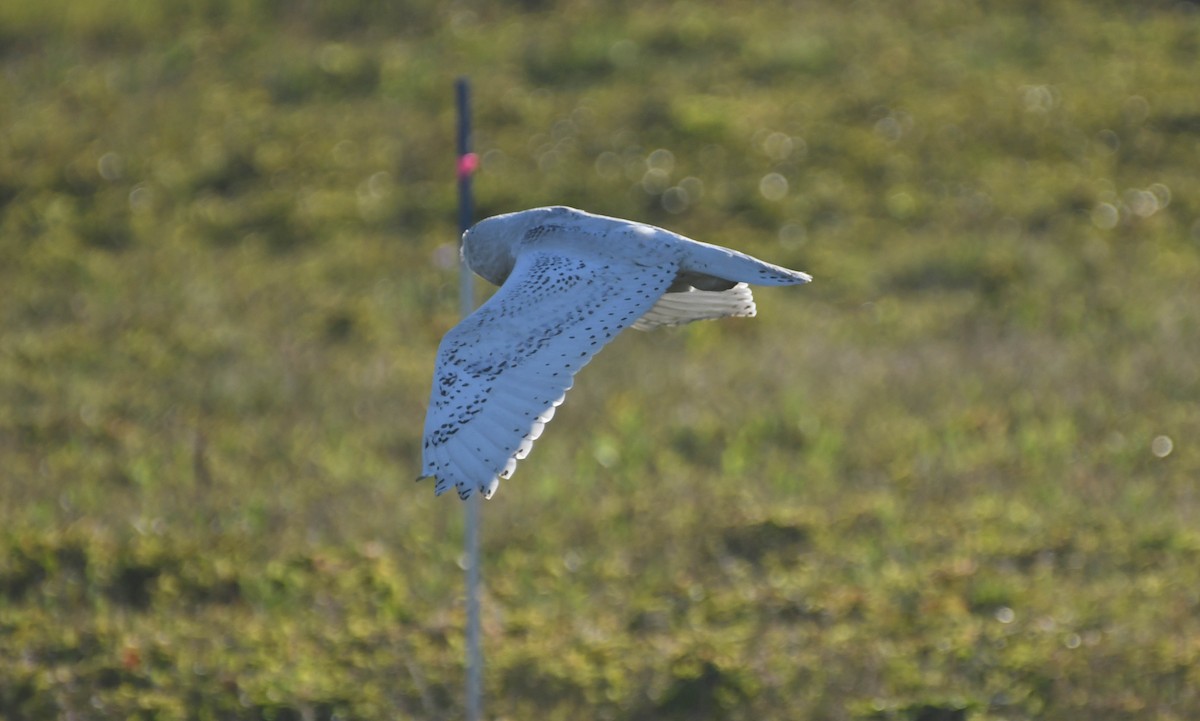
{"x": 466, "y": 294}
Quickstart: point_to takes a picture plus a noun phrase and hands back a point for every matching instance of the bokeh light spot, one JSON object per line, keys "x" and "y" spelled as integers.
{"x": 694, "y": 187}
{"x": 1143, "y": 203}
{"x": 655, "y": 181}
{"x": 110, "y": 166}
{"x": 1105, "y": 216}
{"x": 661, "y": 159}
{"x": 609, "y": 165}
{"x": 675, "y": 200}
{"x": 778, "y": 146}
{"x": 773, "y": 186}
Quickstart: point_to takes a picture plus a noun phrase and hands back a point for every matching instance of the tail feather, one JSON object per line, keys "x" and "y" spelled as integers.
{"x": 692, "y": 304}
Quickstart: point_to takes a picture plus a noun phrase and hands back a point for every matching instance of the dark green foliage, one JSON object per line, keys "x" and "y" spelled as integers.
{"x": 954, "y": 478}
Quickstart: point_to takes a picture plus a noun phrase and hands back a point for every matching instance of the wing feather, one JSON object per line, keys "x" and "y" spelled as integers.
{"x": 502, "y": 371}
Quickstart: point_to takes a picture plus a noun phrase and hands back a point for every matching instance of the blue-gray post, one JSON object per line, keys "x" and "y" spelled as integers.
{"x": 466, "y": 294}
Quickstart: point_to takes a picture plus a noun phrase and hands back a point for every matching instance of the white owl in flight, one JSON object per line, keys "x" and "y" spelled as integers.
{"x": 569, "y": 282}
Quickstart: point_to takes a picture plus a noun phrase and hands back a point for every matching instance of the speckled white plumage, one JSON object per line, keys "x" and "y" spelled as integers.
{"x": 569, "y": 282}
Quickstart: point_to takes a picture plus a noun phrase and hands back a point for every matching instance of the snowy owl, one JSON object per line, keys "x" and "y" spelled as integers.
{"x": 569, "y": 282}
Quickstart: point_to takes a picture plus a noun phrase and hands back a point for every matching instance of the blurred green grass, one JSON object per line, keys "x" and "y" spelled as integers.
{"x": 955, "y": 478}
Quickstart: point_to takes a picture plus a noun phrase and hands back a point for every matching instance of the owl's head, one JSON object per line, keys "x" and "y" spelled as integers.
{"x": 490, "y": 246}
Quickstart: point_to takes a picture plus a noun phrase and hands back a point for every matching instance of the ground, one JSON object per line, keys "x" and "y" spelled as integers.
{"x": 953, "y": 478}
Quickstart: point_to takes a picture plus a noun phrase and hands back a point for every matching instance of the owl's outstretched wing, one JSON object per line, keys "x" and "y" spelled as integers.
{"x": 501, "y": 372}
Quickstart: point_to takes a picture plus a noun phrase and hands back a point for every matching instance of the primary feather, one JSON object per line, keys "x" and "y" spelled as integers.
{"x": 569, "y": 282}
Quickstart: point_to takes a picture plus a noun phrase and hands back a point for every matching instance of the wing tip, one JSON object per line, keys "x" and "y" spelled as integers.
{"x": 778, "y": 275}
{"x": 487, "y": 490}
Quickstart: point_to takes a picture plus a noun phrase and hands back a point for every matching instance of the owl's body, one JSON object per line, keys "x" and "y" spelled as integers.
{"x": 570, "y": 281}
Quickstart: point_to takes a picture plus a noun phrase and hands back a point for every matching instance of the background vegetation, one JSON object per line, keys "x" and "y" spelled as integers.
{"x": 954, "y": 478}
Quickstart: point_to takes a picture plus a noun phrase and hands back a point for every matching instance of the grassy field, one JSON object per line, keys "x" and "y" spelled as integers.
{"x": 955, "y": 478}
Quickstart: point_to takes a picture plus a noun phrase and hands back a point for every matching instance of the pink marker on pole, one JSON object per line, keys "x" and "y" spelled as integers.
{"x": 468, "y": 163}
